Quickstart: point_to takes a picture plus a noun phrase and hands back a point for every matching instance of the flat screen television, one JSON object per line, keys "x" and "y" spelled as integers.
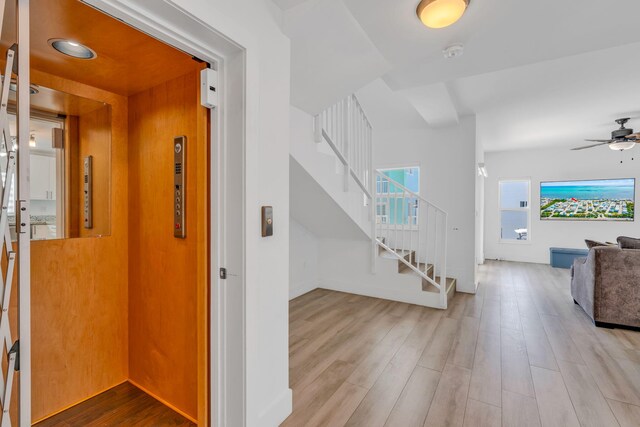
{"x": 593, "y": 200}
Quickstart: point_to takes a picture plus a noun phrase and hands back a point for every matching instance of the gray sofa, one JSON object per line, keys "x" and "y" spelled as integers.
{"x": 606, "y": 284}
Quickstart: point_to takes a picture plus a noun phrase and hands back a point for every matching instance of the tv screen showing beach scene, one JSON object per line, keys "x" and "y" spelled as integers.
{"x": 594, "y": 200}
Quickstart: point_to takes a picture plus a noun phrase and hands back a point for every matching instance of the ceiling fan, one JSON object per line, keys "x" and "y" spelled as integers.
{"x": 621, "y": 139}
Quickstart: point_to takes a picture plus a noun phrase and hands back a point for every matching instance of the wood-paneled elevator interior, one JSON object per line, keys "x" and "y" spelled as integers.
{"x": 120, "y": 303}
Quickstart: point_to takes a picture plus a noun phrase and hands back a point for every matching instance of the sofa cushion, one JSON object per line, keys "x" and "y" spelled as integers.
{"x": 628, "y": 243}
{"x": 594, "y": 243}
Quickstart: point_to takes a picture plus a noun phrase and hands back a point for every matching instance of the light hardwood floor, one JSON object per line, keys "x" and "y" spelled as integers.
{"x": 518, "y": 353}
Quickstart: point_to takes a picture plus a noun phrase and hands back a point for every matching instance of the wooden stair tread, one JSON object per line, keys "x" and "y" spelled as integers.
{"x": 450, "y": 281}
{"x": 405, "y": 269}
{"x": 390, "y": 255}
{"x": 408, "y": 270}
{"x": 428, "y": 286}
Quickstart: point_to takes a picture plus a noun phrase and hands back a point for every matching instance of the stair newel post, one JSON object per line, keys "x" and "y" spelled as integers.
{"x": 413, "y": 254}
{"x": 395, "y": 217}
{"x": 357, "y": 146}
{"x": 388, "y": 212}
{"x": 373, "y": 191}
{"x": 435, "y": 254}
{"x": 425, "y": 219}
{"x": 346, "y": 108}
{"x": 418, "y": 235}
{"x": 443, "y": 276}
{"x": 403, "y": 247}
{"x": 361, "y": 148}
{"x": 434, "y": 237}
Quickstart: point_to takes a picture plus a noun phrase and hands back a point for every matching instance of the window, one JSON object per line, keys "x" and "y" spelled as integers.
{"x": 515, "y": 213}
{"x": 395, "y": 206}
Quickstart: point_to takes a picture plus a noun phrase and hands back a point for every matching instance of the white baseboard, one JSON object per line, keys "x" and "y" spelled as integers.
{"x": 278, "y": 411}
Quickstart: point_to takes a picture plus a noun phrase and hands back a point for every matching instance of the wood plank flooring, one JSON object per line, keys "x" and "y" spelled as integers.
{"x": 518, "y": 353}
{"x": 123, "y": 405}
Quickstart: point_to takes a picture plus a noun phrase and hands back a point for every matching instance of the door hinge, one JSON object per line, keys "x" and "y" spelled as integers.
{"x": 23, "y": 213}
{"x": 223, "y": 273}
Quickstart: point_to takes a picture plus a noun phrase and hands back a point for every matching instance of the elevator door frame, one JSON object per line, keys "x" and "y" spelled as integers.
{"x": 232, "y": 50}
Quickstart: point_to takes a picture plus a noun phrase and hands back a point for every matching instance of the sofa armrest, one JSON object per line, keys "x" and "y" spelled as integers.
{"x": 583, "y": 282}
{"x": 617, "y": 286}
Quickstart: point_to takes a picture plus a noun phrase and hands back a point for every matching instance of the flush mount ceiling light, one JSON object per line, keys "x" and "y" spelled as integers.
{"x": 71, "y": 48}
{"x": 441, "y": 13}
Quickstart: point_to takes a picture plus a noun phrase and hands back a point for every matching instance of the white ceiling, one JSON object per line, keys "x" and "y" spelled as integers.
{"x": 331, "y": 55}
{"x": 536, "y": 73}
{"x": 554, "y": 103}
{"x": 387, "y": 109}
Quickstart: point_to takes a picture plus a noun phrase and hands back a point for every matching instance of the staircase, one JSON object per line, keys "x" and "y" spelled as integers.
{"x": 407, "y": 234}
{"x": 413, "y": 232}
{"x": 390, "y": 257}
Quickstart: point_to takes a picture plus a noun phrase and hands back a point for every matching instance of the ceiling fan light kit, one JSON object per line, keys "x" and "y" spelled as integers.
{"x": 620, "y": 146}
{"x": 621, "y": 139}
{"x": 441, "y": 13}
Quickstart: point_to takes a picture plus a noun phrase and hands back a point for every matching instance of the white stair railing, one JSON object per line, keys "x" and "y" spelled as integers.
{"x": 414, "y": 230}
{"x": 346, "y": 129}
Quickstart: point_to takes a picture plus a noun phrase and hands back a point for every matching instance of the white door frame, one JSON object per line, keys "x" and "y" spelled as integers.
{"x": 230, "y": 50}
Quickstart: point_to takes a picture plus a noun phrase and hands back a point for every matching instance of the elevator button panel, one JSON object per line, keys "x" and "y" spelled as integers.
{"x": 88, "y": 192}
{"x": 179, "y": 181}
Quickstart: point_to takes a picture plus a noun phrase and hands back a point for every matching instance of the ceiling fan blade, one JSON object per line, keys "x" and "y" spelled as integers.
{"x": 600, "y": 140}
{"x": 634, "y": 136}
{"x": 590, "y": 146}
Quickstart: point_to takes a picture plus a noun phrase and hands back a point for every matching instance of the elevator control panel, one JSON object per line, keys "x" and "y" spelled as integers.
{"x": 88, "y": 191}
{"x": 179, "y": 181}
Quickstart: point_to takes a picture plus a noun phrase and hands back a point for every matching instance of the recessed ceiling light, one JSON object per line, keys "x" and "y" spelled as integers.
{"x": 441, "y": 13}
{"x": 72, "y": 48}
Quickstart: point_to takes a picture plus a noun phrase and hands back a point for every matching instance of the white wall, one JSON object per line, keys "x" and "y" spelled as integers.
{"x": 303, "y": 260}
{"x": 322, "y": 165}
{"x": 345, "y": 265}
{"x": 447, "y": 160}
{"x": 553, "y": 165}
{"x": 254, "y": 24}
